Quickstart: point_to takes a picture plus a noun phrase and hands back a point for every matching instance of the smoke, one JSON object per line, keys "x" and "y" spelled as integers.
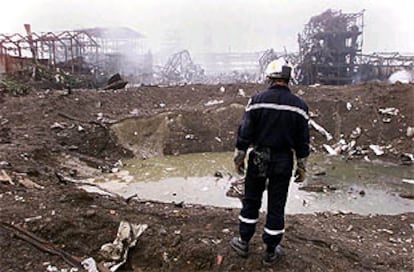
{"x": 214, "y": 25}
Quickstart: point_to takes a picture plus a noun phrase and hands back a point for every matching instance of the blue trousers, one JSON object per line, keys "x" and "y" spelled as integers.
{"x": 275, "y": 171}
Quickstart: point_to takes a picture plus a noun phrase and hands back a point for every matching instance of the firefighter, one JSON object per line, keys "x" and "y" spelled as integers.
{"x": 275, "y": 126}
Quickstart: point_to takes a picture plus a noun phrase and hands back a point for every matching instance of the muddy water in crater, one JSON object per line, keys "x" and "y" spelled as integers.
{"x": 365, "y": 188}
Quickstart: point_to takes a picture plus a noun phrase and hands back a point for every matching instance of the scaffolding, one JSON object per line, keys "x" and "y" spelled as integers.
{"x": 67, "y": 50}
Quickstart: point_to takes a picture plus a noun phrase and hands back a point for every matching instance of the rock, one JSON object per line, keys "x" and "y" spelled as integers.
{"x": 5, "y": 164}
{"x": 177, "y": 241}
{"x": 115, "y": 82}
{"x": 410, "y": 132}
{"x": 218, "y": 174}
{"x": 389, "y": 111}
{"x": 407, "y": 158}
{"x": 4, "y": 177}
{"x": 318, "y": 188}
{"x": 407, "y": 196}
{"x": 26, "y": 182}
{"x": 90, "y": 213}
{"x": 57, "y": 125}
{"x": 163, "y": 231}
{"x": 378, "y": 150}
{"x": 228, "y": 231}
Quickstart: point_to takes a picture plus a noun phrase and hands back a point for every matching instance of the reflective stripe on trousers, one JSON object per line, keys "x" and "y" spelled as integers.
{"x": 247, "y": 220}
{"x": 274, "y": 232}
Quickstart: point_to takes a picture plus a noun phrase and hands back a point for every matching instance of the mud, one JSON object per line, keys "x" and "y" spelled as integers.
{"x": 96, "y": 129}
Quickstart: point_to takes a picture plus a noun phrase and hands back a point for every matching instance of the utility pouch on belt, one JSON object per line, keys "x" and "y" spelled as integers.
{"x": 259, "y": 160}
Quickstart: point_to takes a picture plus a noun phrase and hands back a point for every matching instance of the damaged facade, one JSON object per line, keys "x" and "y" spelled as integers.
{"x": 328, "y": 48}
{"x": 330, "y": 52}
{"x": 68, "y": 50}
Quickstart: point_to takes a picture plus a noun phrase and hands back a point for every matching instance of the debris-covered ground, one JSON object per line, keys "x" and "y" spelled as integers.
{"x": 48, "y": 137}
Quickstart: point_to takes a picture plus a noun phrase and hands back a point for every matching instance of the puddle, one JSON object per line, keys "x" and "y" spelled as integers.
{"x": 364, "y": 188}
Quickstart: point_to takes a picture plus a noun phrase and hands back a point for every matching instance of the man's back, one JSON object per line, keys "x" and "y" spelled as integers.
{"x": 277, "y": 119}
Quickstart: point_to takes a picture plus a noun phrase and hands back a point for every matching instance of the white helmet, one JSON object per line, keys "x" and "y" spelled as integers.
{"x": 279, "y": 69}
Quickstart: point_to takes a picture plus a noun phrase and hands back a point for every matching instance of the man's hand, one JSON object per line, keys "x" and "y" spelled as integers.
{"x": 238, "y": 159}
{"x": 300, "y": 174}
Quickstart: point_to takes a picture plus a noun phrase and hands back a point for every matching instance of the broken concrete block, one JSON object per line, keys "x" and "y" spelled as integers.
{"x": 29, "y": 184}
{"x": 4, "y": 177}
{"x": 410, "y": 132}
{"x": 378, "y": 150}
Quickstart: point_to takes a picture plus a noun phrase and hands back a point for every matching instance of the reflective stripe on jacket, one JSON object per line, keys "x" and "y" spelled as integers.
{"x": 277, "y": 119}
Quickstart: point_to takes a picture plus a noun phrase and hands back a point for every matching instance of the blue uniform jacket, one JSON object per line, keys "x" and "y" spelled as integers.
{"x": 277, "y": 119}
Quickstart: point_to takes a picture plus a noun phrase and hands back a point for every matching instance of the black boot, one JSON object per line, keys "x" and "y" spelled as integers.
{"x": 272, "y": 257}
{"x": 241, "y": 247}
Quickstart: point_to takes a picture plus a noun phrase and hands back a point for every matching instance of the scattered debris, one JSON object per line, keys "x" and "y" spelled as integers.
{"x": 180, "y": 68}
{"x": 321, "y": 130}
{"x": 241, "y": 93}
{"x": 408, "y": 181}
{"x": 5, "y": 164}
{"x": 219, "y": 260}
{"x": 218, "y": 174}
{"x": 34, "y": 218}
{"x": 213, "y": 102}
{"x": 116, "y": 253}
{"x": 386, "y": 231}
{"x": 225, "y": 231}
{"x": 407, "y": 195}
{"x": 348, "y": 106}
{"x": 356, "y": 133}
{"x": 222, "y": 89}
{"x": 4, "y": 177}
{"x": 340, "y": 147}
{"x": 115, "y": 82}
{"x": 57, "y": 125}
{"x": 90, "y": 265}
{"x": 190, "y": 136}
{"x": 318, "y": 188}
{"x": 389, "y": 111}
{"x": 331, "y": 150}
{"x": 236, "y": 189}
{"x": 407, "y": 158}
{"x": 378, "y": 150}
{"x": 410, "y": 132}
{"x": 41, "y": 244}
{"x": 29, "y": 184}
{"x": 135, "y": 112}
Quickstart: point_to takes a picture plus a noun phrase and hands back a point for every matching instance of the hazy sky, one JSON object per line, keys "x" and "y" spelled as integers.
{"x": 218, "y": 25}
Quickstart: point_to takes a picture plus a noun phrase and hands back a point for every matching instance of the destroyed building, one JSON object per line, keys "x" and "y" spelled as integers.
{"x": 93, "y": 51}
{"x": 331, "y": 52}
{"x": 329, "y": 46}
{"x": 67, "y": 49}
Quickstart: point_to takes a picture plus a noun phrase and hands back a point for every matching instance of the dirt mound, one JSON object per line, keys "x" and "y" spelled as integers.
{"x": 183, "y": 131}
